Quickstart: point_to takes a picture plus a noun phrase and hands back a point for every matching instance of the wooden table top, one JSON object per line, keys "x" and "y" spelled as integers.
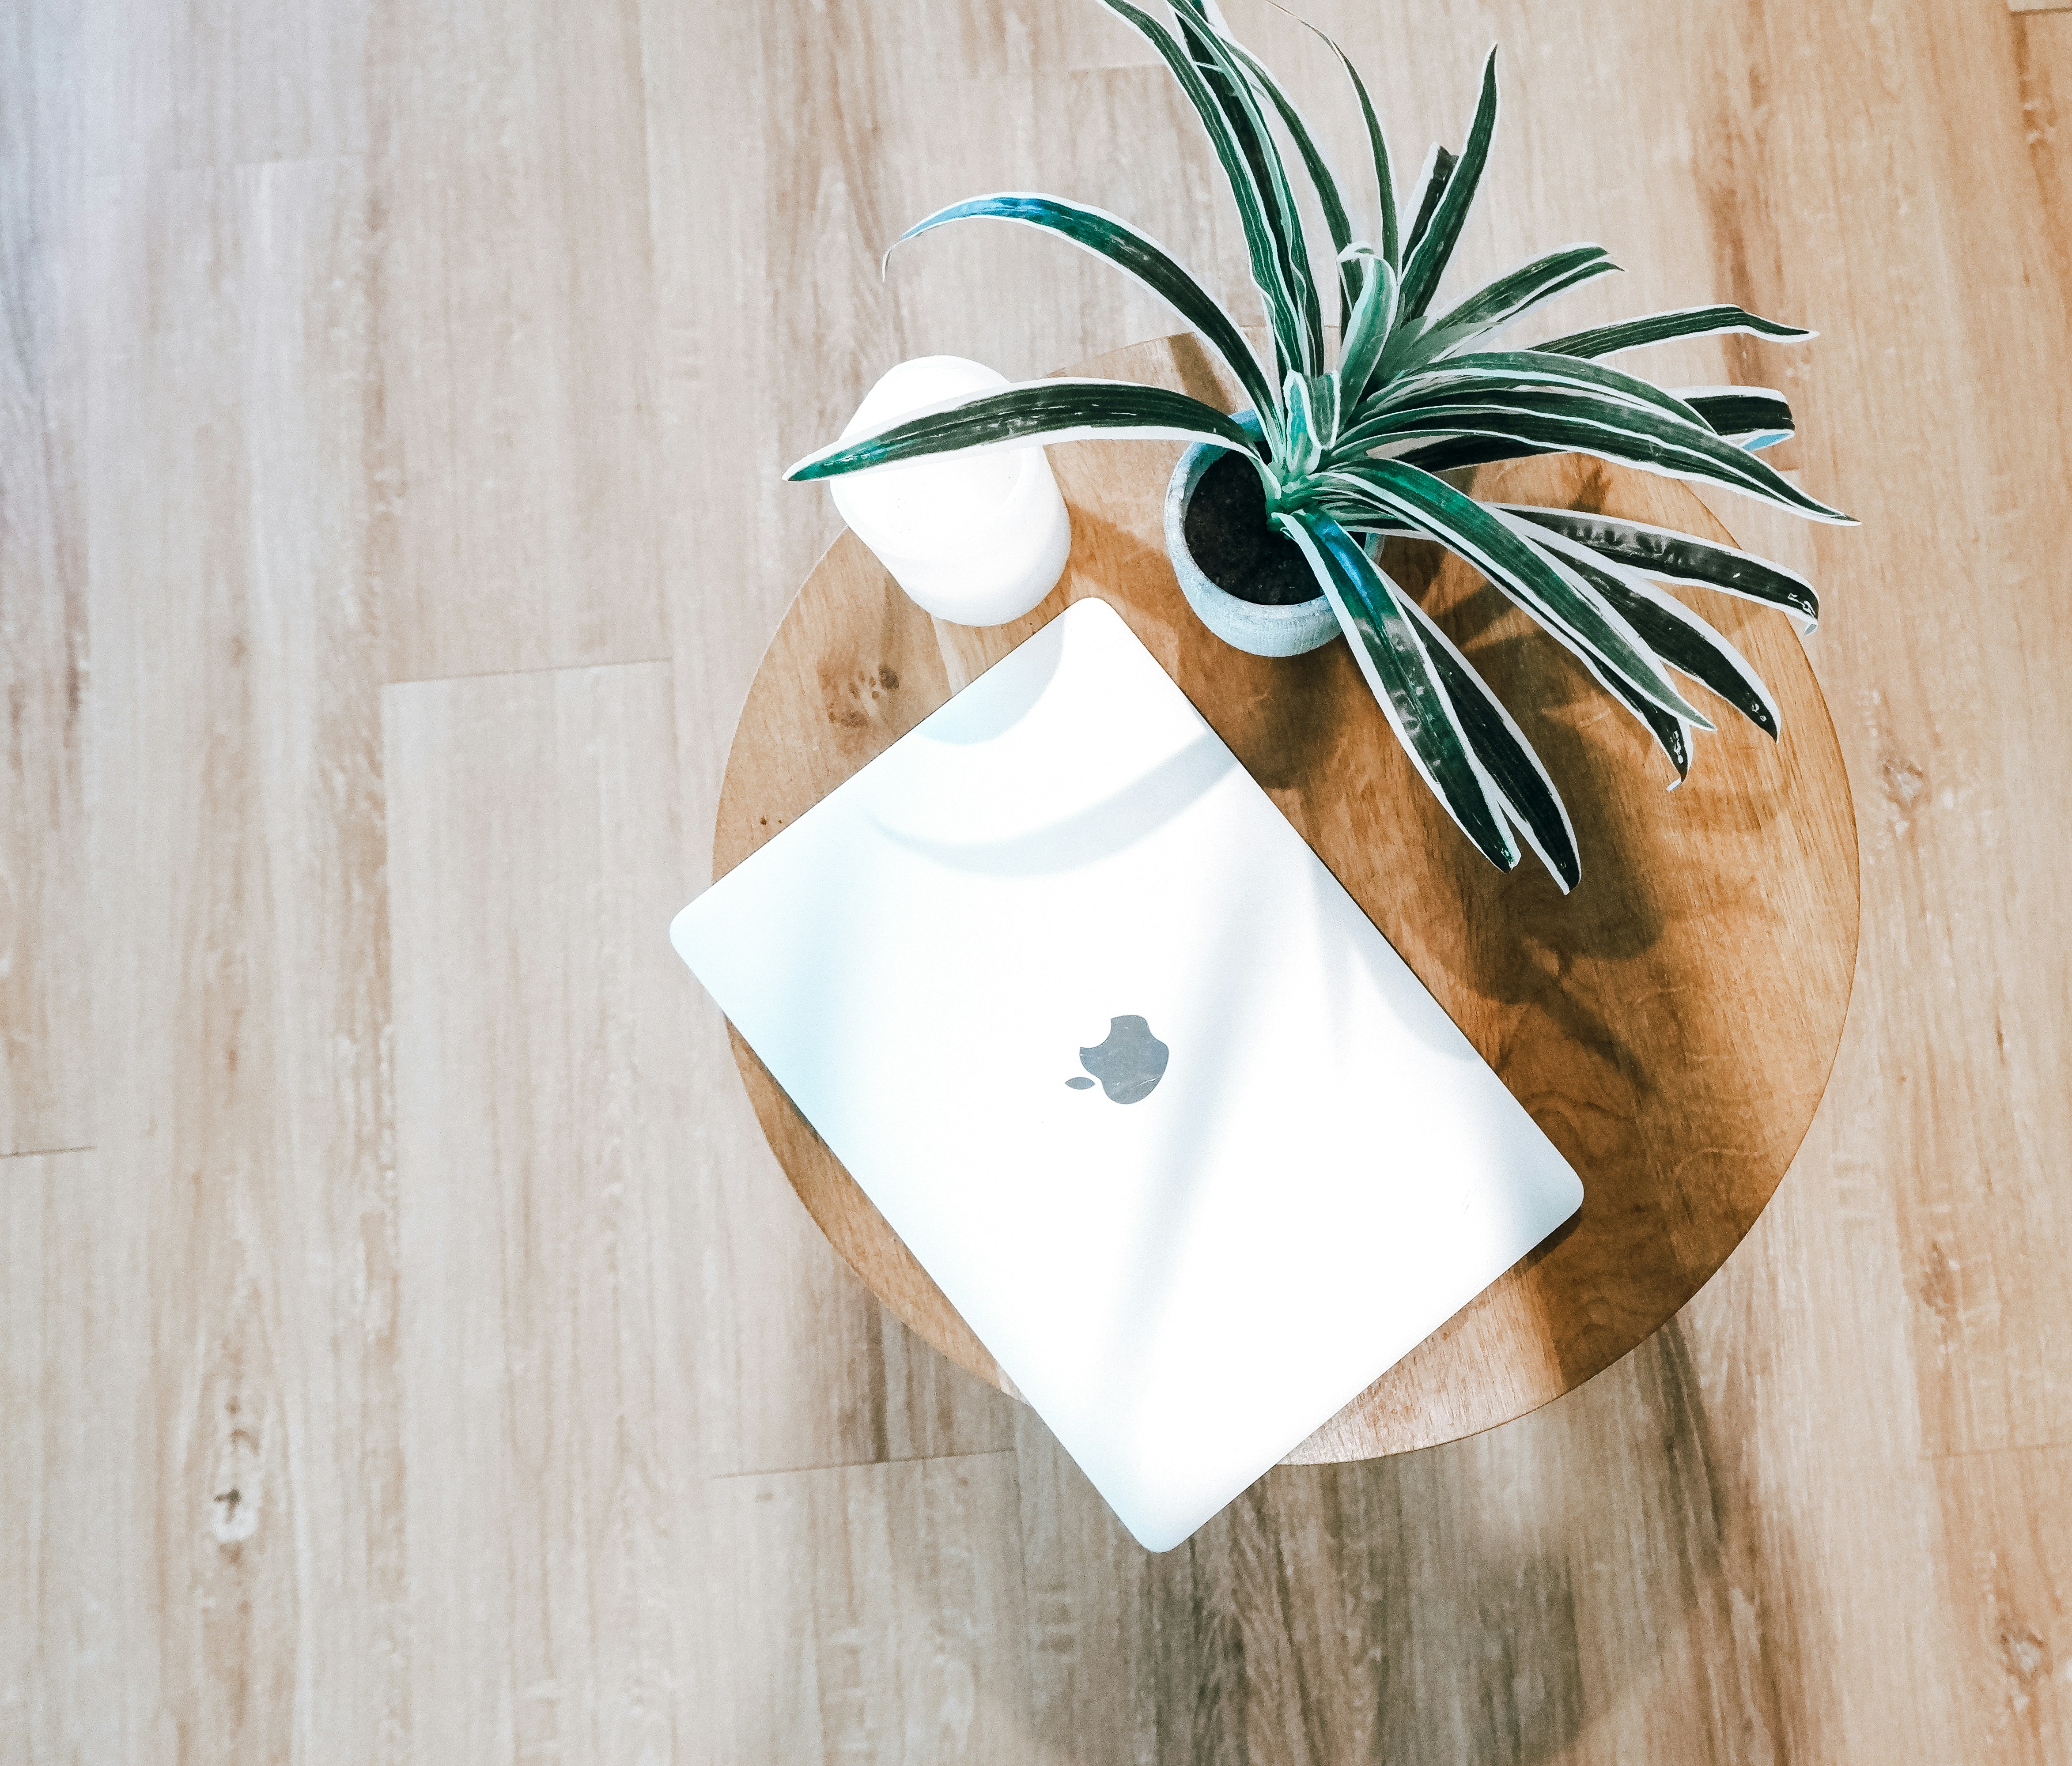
{"x": 1670, "y": 1025}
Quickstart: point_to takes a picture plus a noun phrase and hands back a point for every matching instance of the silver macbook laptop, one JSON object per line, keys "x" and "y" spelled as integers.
{"x": 1174, "y": 1128}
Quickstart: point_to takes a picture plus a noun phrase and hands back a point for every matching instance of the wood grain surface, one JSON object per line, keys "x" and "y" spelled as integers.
{"x": 1670, "y": 1024}
{"x": 412, "y": 1351}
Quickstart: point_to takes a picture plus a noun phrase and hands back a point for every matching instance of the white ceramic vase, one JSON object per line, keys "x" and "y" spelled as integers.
{"x": 1246, "y": 624}
{"x": 977, "y": 538}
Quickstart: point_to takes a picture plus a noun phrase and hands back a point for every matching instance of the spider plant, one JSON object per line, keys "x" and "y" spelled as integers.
{"x": 1351, "y": 449}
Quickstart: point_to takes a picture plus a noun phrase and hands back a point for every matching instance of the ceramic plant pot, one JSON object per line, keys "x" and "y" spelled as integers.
{"x": 1246, "y": 624}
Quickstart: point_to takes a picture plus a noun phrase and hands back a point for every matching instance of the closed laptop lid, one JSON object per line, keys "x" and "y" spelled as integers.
{"x": 1171, "y": 1123}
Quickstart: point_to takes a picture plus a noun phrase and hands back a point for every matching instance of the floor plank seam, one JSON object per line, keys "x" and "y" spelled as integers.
{"x": 543, "y": 668}
{"x": 2054, "y": 1445}
{"x": 857, "y": 1465}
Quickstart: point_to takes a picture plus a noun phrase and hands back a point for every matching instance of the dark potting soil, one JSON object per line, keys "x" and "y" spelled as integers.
{"x": 1229, "y": 536}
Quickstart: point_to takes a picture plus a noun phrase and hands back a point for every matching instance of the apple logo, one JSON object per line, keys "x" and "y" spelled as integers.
{"x": 1129, "y": 1063}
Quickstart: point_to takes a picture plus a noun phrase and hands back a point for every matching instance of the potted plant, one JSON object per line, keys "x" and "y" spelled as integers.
{"x": 1276, "y": 516}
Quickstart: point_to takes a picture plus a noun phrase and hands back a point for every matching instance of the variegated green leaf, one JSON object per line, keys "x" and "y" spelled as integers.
{"x": 1671, "y": 732}
{"x": 1306, "y": 440}
{"x": 1749, "y": 416}
{"x": 1321, "y": 178}
{"x": 1429, "y": 258}
{"x": 1283, "y": 310}
{"x": 1519, "y": 290}
{"x": 1495, "y": 374}
{"x": 1111, "y": 237}
{"x": 1451, "y": 452}
{"x": 1553, "y": 594}
{"x": 1630, "y": 434}
{"x": 1660, "y": 328}
{"x": 1510, "y": 296}
{"x": 1324, "y": 405}
{"x": 1361, "y": 346}
{"x": 1433, "y": 178}
{"x": 1522, "y": 781}
{"x": 1670, "y": 556}
{"x": 1400, "y": 673}
{"x": 1214, "y": 55}
{"x": 1059, "y": 410}
{"x": 1686, "y": 643}
{"x": 1377, "y": 141}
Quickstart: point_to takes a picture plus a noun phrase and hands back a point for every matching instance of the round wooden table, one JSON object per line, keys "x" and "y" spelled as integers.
{"x": 1670, "y": 1025}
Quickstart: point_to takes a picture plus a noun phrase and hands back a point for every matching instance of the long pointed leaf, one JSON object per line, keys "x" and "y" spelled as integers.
{"x": 1306, "y": 440}
{"x": 1495, "y": 374}
{"x": 1282, "y": 308}
{"x": 1670, "y": 556}
{"x": 1660, "y": 328}
{"x": 1377, "y": 143}
{"x": 1428, "y": 260}
{"x": 1432, "y": 179}
{"x": 1672, "y": 733}
{"x": 1547, "y": 590}
{"x": 1323, "y": 391}
{"x": 1749, "y": 416}
{"x": 1453, "y": 452}
{"x": 1517, "y": 291}
{"x": 1688, "y": 643}
{"x": 1522, "y": 781}
{"x": 1373, "y": 313}
{"x": 1508, "y": 298}
{"x": 1111, "y": 237}
{"x": 1059, "y": 410}
{"x": 1401, "y": 675}
{"x": 1214, "y": 55}
{"x": 1321, "y": 178}
{"x": 1630, "y": 434}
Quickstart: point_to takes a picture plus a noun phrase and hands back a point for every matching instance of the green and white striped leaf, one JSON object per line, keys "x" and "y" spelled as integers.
{"x": 1377, "y": 141}
{"x": 1135, "y": 253}
{"x": 1522, "y": 781}
{"x": 1676, "y": 634}
{"x": 1580, "y": 423}
{"x": 1672, "y": 733}
{"x": 1510, "y": 296}
{"x": 1749, "y": 416}
{"x": 1453, "y": 452}
{"x": 1321, "y": 178}
{"x": 1433, "y": 178}
{"x": 1323, "y": 391}
{"x": 1499, "y": 375}
{"x": 1402, "y": 676}
{"x": 1670, "y": 556}
{"x": 1361, "y": 346}
{"x": 1520, "y": 290}
{"x": 1283, "y": 311}
{"x": 1660, "y": 328}
{"x": 1306, "y": 431}
{"x": 1057, "y": 410}
{"x": 1428, "y": 260}
{"x": 1214, "y": 55}
{"x": 1560, "y": 600}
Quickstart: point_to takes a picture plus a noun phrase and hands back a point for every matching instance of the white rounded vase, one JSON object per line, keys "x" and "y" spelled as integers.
{"x": 977, "y": 539}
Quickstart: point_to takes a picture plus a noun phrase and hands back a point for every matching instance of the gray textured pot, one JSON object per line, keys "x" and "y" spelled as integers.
{"x": 1264, "y": 631}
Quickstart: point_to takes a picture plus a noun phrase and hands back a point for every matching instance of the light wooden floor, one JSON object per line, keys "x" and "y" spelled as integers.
{"x": 408, "y": 1351}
